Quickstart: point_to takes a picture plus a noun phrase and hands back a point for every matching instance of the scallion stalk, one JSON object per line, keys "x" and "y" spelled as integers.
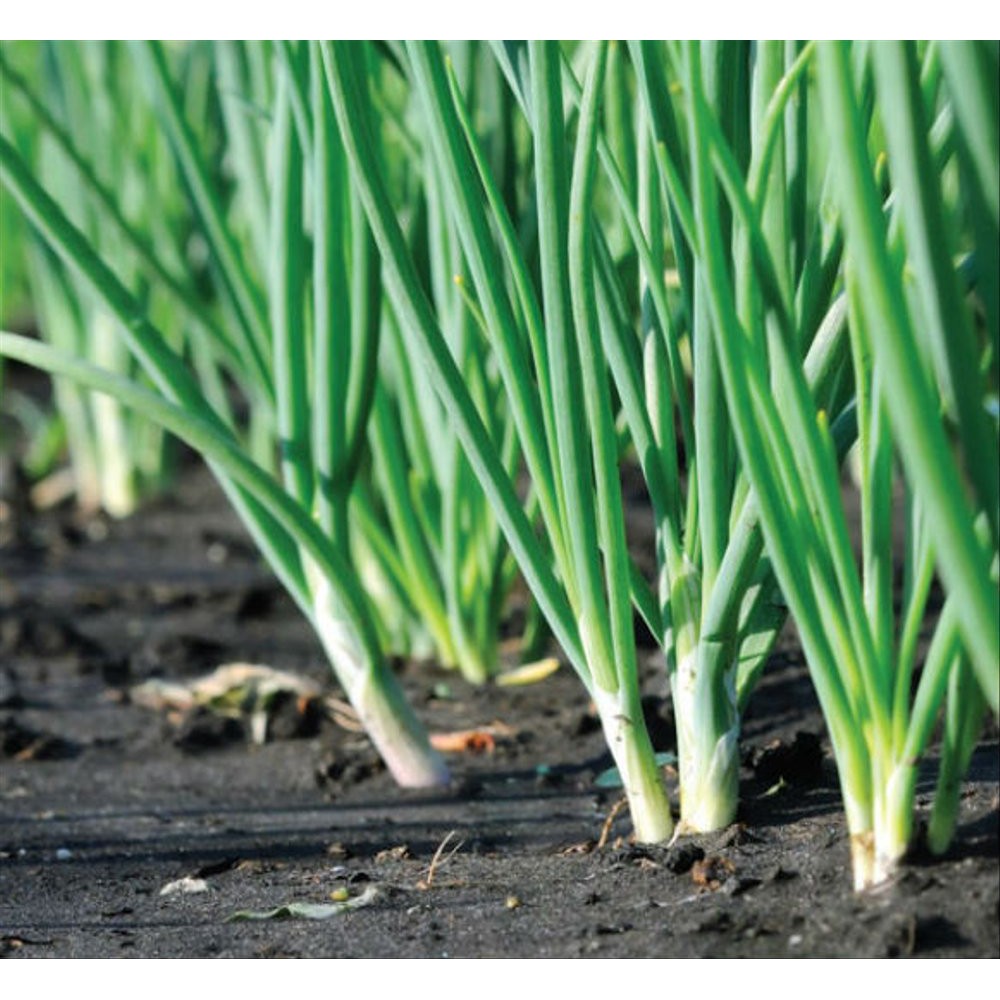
{"x": 312, "y": 560}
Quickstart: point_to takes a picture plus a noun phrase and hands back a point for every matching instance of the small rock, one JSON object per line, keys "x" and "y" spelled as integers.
{"x": 681, "y": 857}
{"x": 608, "y": 929}
{"x": 337, "y": 769}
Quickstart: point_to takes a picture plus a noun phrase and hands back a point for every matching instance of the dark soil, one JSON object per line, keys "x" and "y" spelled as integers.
{"x": 104, "y": 802}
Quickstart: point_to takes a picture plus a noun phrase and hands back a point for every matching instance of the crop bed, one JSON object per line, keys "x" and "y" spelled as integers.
{"x": 104, "y": 802}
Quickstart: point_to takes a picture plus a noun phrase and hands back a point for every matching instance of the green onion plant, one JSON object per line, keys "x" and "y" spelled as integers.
{"x": 581, "y": 357}
{"x": 85, "y": 133}
{"x": 296, "y": 333}
{"x": 566, "y": 435}
{"x": 431, "y": 543}
{"x": 717, "y": 608}
{"x": 879, "y": 709}
{"x": 458, "y": 289}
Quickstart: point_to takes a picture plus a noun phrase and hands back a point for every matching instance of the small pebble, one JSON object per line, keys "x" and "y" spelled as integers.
{"x": 63, "y": 854}
{"x": 795, "y": 940}
{"x": 96, "y": 530}
{"x": 512, "y": 902}
{"x": 217, "y": 553}
{"x": 681, "y": 858}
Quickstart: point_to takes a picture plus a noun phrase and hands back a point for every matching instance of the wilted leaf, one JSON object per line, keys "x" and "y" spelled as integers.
{"x": 233, "y": 686}
{"x": 232, "y": 690}
{"x": 528, "y": 673}
{"x": 401, "y": 852}
{"x": 464, "y": 741}
{"x": 184, "y": 886}
{"x": 479, "y": 740}
{"x": 308, "y": 911}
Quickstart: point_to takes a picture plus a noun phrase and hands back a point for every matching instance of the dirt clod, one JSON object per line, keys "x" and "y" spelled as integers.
{"x": 682, "y": 857}
{"x": 202, "y": 729}
{"x": 338, "y": 770}
{"x": 293, "y": 718}
{"x": 711, "y": 872}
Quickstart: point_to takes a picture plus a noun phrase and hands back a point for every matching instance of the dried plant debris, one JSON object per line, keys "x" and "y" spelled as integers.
{"x": 713, "y": 872}
{"x": 274, "y": 704}
{"x": 310, "y": 911}
{"x": 186, "y": 886}
{"x": 440, "y": 859}
{"x": 401, "y": 852}
{"x": 482, "y": 739}
{"x": 528, "y": 673}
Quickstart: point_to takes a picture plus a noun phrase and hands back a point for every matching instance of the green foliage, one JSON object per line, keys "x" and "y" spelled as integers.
{"x": 457, "y": 288}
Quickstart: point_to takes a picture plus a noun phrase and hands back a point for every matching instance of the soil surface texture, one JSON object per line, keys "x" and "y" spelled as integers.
{"x": 129, "y": 830}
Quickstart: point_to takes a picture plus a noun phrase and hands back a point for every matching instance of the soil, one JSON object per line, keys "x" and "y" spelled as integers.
{"x": 105, "y": 802}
